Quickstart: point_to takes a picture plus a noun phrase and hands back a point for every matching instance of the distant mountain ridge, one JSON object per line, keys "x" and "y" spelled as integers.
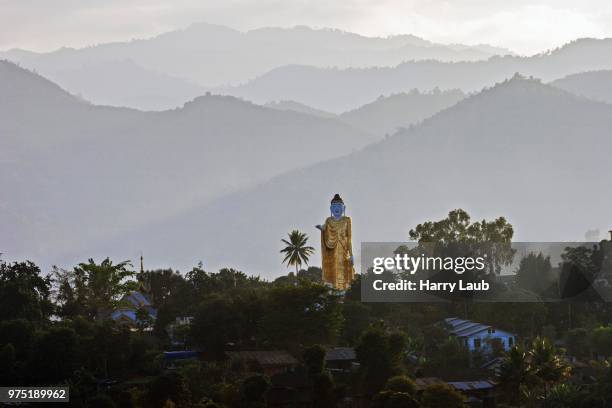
{"x": 521, "y": 149}
{"x": 386, "y": 115}
{"x": 173, "y": 67}
{"x": 78, "y": 172}
{"x": 264, "y": 48}
{"x": 596, "y": 85}
{"x": 127, "y": 84}
{"x": 299, "y": 107}
{"x": 337, "y": 90}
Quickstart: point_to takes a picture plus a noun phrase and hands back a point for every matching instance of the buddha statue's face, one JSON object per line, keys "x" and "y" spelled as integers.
{"x": 337, "y": 210}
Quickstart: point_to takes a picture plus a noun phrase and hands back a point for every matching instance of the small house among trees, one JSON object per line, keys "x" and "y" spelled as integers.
{"x": 477, "y": 393}
{"x": 340, "y": 358}
{"x": 480, "y": 337}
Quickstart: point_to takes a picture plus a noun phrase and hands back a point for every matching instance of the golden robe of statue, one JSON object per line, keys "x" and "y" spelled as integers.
{"x": 336, "y": 252}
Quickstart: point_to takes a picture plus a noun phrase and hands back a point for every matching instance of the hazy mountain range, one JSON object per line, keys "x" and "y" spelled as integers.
{"x": 75, "y": 172}
{"x": 329, "y": 70}
{"x": 386, "y": 114}
{"x": 164, "y": 71}
{"x": 222, "y": 179}
{"x": 213, "y": 55}
{"x": 300, "y": 107}
{"x": 126, "y": 84}
{"x": 596, "y": 85}
{"x": 338, "y": 90}
{"x": 522, "y": 149}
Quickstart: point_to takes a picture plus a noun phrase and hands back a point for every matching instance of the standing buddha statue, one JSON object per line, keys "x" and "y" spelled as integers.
{"x": 337, "y": 247}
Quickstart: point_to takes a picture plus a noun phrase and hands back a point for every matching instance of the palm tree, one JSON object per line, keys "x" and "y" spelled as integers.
{"x": 514, "y": 373}
{"x": 547, "y": 365}
{"x": 296, "y": 252}
{"x": 523, "y": 372}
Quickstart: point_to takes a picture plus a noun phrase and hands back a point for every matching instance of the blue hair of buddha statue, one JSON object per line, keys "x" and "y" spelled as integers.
{"x": 337, "y": 207}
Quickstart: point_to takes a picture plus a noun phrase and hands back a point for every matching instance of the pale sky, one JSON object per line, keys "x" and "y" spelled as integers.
{"x": 524, "y": 26}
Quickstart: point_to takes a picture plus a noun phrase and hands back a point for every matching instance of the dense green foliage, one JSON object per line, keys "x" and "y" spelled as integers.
{"x": 55, "y": 330}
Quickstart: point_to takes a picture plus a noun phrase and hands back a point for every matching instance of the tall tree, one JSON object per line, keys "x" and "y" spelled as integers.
{"x": 204, "y": 283}
{"x": 162, "y": 284}
{"x": 314, "y": 360}
{"x": 442, "y": 396}
{"x": 94, "y": 289}
{"x": 379, "y": 354}
{"x": 218, "y": 321}
{"x": 514, "y": 373}
{"x": 54, "y": 356}
{"x": 458, "y": 233}
{"x": 535, "y": 273}
{"x": 580, "y": 267}
{"x": 546, "y": 364}
{"x": 601, "y": 341}
{"x": 528, "y": 375}
{"x": 170, "y": 294}
{"x": 24, "y": 293}
{"x": 304, "y": 314}
{"x": 70, "y": 292}
{"x": 296, "y": 251}
{"x": 7, "y": 362}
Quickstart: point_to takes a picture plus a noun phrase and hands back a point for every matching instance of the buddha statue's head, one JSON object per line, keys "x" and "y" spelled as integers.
{"x": 337, "y": 207}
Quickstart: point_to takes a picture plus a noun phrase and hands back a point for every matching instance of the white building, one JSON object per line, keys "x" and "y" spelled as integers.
{"x": 477, "y": 336}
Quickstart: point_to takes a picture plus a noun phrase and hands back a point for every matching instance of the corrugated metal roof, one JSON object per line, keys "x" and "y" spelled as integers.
{"x": 265, "y": 357}
{"x": 464, "y": 323}
{"x": 138, "y": 299}
{"x": 453, "y": 321}
{"x": 465, "y": 328}
{"x": 424, "y": 382}
{"x": 127, "y": 313}
{"x": 124, "y": 314}
{"x": 472, "y": 385}
{"x": 493, "y": 364}
{"x": 340, "y": 354}
{"x": 468, "y": 331}
{"x": 181, "y": 355}
{"x": 460, "y": 324}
